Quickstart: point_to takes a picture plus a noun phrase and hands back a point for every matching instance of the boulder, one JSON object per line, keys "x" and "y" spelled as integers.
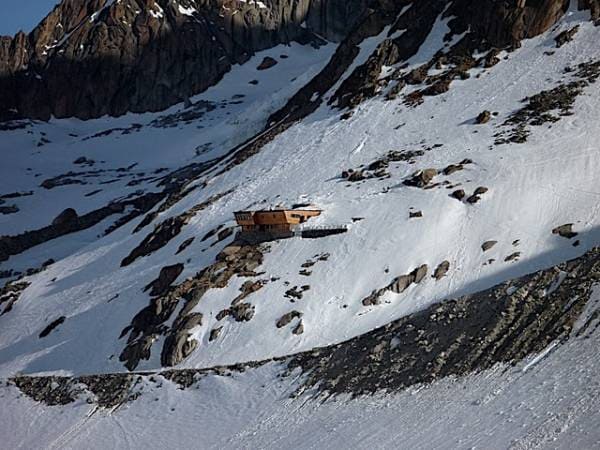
{"x": 565, "y": 231}
{"x": 69, "y": 215}
{"x": 483, "y": 117}
{"x": 299, "y": 329}
{"x": 441, "y": 270}
{"x": 267, "y": 63}
{"x": 242, "y": 312}
{"x": 214, "y": 333}
{"x": 473, "y": 199}
{"x": 286, "y": 319}
{"x": 420, "y": 273}
{"x": 452, "y": 168}
{"x": 421, "y": 178}
{"x": 458, "y": 194}
{"x": 165, "y": 278}
{"x": 401, "y": 283}
{"x": 487, "y": 245}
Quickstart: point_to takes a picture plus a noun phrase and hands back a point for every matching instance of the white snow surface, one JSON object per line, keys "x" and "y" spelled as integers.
{"x": 553, "y": 405}
{"x": 549, "y": 400}
{"x": 533, "y": 187}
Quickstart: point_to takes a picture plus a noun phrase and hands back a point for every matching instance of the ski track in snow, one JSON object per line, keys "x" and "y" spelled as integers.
{"x": 554, "y": 406}
{"x": 533, "y": 187}
{"x": 304, "y": 164}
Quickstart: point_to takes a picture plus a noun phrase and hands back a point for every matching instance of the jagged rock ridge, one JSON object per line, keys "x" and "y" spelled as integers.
{"x": 145, "y": 55}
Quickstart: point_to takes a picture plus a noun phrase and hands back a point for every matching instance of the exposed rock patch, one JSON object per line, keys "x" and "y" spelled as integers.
{"x": 566, "y": 36}
{"x": 10, "y": 294}
{"x": 149, "y": 323}
{"x": 548, "y": 106}
{"x": 565, "y": 231}
{"x": 166, "y": 277}
{"x": 164, "y": 232}
{"x": 52, "y": 326}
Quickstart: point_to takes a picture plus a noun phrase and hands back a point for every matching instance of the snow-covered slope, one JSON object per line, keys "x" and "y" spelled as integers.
{"x": 549, "y": 402}
{"x": 530, "y": 193}
{"x": 530, "y": 200}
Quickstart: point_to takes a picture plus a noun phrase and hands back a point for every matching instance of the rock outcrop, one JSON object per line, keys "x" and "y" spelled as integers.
{"x": 135, "y": 55}
{"x": 146, "y": 55}
{"x": 151, "y": 322}
{"x": 504, "y": 324}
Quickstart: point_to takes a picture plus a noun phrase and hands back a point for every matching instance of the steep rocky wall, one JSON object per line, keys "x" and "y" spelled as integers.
{"x": 135, "y": 55}
{"x": 504, "y": 23}
{"x": 98, "y": 57}
{"x": 335, "y": 18}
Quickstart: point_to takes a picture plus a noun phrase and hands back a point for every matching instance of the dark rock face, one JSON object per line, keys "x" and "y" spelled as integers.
{"x": 118, "y": 60}
{"x": 146, "y": 55}
{"x": 503, "y": 324}
{"x": 505, "y": 23}
{"x": 334, "y": 18}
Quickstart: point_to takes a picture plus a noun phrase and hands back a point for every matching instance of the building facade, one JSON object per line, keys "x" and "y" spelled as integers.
{"x": 273, "y": 221}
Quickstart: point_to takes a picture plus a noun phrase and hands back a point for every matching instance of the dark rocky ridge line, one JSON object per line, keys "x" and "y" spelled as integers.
{"x": 146, "y": 55}
{"x": 69, "y": 222}
{"x": 503, "y": 324}
{"x": 548, "y": 106}
{"x": 118, "y": 60}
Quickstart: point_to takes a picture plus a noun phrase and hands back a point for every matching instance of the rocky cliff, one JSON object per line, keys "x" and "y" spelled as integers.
{"x": 91, "y": 58}
{"x": 105, "y": 57}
